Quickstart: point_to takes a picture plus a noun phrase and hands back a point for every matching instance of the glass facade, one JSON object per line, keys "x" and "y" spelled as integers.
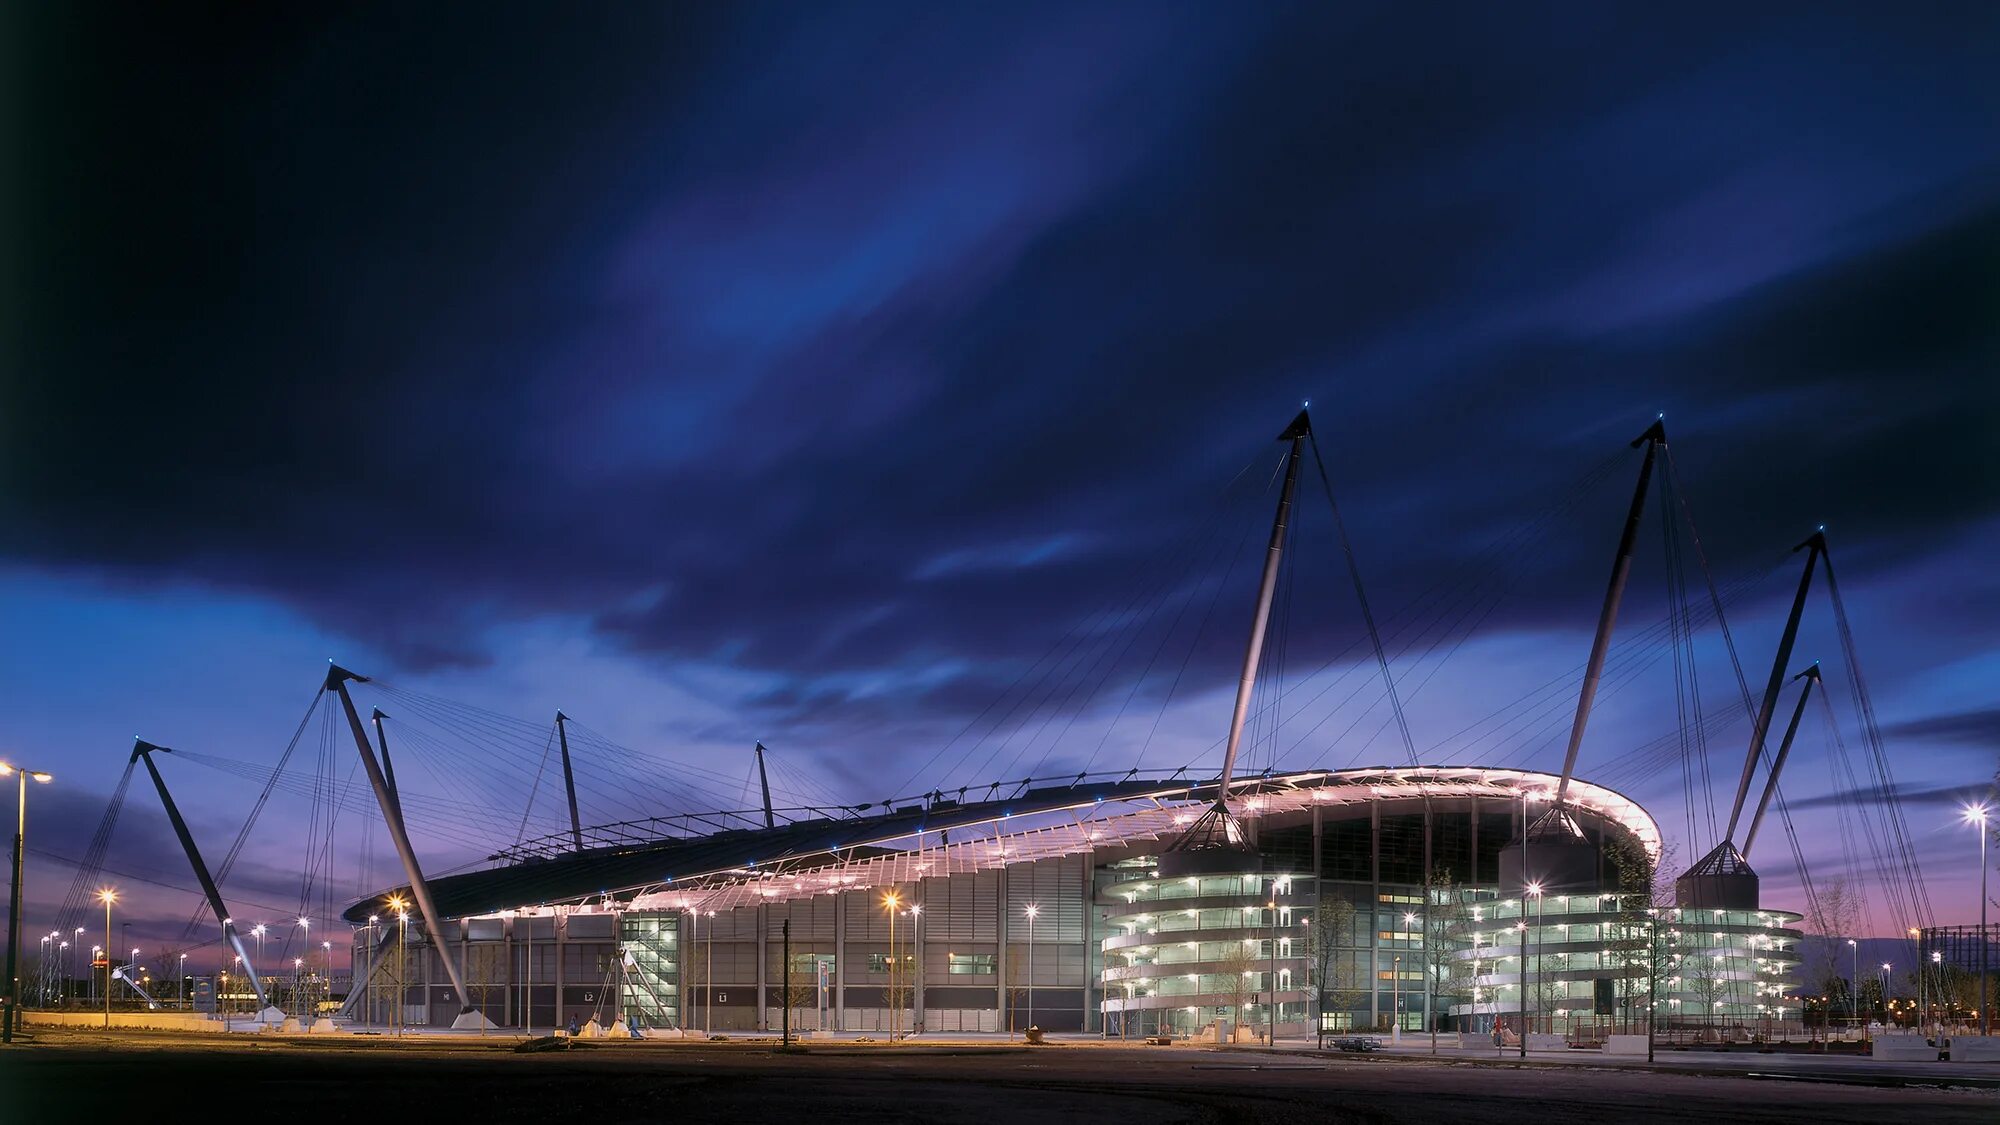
{"x": 651, "y": 989}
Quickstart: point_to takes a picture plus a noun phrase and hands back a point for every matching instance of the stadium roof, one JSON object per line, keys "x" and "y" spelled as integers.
{"x": 741, "y": 867}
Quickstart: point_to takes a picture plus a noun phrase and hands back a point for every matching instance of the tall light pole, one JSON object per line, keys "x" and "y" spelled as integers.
{"x": 396, "y": 903}
{"x": 1854, "y": 976}
{"x": 257, "y": 931}
{"x": 1033, "y": 912}
{"x": 917, "y": 968}
{"x": 14, "y": 900}
{"x": 1522, "y": 925}
{"x": 1395, "y": 999}
{"x": 79, "y": 945}
{"x": 889, "y": 903}
{"x": 107, "y": 896}
{"x": 1937, "y": 981}
{"x": 708, "y": 980}
{"x": 182, "y": 985}
{"x": 1886, "y": 1017}
{"x": 1977, "y": 815}
{"x": 1423, "y": 957}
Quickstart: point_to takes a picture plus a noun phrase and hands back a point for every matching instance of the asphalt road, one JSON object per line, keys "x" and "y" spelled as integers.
{"x": 153, "y": 1077}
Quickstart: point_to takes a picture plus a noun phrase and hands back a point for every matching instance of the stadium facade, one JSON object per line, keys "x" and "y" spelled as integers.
{"x": 1376, "y": 897}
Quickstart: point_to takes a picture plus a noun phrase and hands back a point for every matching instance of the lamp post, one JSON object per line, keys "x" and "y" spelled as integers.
{"x": 1424, "y": 959}
{"x": 1395, "y": 999}
{"x": 1033, "y": 912}
{"x": 1937, "y": 979}
{"x": 917, "y": 967}
{"x": 1271, "y": 1039}
{"x": 257, "y": 931}
{"x": 297, "y": 964}
{"x": 708, "y": 980}
{"x": 1977, "y": 815}
{"x": 403, "y": 964}
{"x": 13, "y": 981}
{"x": 107, "y": 896}
{"x": 1886, "y": 1017}
{"x": 1522, "y": 926}
{"x": 368, "y": 976}
{"x": 889, "y": 903}
{"x": 1854, "y": 978}
{"x": 79, "y": 945}
{"x": 181, "y": 984}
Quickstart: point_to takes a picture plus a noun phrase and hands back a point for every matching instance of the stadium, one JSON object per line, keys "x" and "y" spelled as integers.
{"x": 1047, "y": 907}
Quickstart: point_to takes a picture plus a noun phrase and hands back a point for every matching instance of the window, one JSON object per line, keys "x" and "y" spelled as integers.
{"x": 879, "y": 962}
{"x": 972, "y": 964}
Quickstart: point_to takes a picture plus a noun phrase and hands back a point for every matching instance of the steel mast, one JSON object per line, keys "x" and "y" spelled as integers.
{"x": 1814, "y": 547}
{"x": 1267, "y": 588}
{"x": 142, "y": 751}
{"x": 336, "y": 682}
{"x": 1653, "y": 439}
{"x": 569, "y": 780}
{"x": 1811, "y": 677}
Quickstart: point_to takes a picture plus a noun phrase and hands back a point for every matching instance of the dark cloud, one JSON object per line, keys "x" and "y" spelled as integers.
{"x": 1980, "y": 727}
{"x": 881, "y": 352}
{"x": 1939, "y": 796}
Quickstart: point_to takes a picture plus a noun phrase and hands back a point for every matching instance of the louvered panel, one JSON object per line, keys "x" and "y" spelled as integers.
{"x": 1055, "y": 887}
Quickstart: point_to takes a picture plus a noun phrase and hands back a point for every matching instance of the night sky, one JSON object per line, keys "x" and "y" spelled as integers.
{"x": 813, "y": 373}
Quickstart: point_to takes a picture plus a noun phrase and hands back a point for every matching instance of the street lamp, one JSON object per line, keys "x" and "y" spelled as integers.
{"x": 917, "y": 970}
{"x": 182, "y": 986}
{"x": 1977, "y": 815}
{"x": 1396, "y": 998}
{"x": 107, "y": 896}
{"x": 889, "y": 903}
{"x": 13, "y": 981}
{"x": 79, "y": 943}
{"x": 1032, "y": 911}
{"x": 1854, "y": 992}
{"x": 1424, "y": 960}
{"x": 257, "y": 931}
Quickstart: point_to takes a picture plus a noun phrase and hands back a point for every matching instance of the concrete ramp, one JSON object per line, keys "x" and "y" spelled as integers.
{"x": 325, "y": 1025}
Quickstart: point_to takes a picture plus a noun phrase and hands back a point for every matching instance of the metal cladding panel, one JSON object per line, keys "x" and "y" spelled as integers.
{"x": 867, "y": 916}
{"x": 591, "y": 927}
{"x": 731, "y": 925}
{"x": 1055, "y": 888}
{"x": 812, "y": 918}
{"x": 486, "y": 929}
{"x": 962, "y": 907}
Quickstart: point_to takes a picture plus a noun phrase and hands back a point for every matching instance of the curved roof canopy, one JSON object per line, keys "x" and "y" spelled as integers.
{"x": 741, "y": 867}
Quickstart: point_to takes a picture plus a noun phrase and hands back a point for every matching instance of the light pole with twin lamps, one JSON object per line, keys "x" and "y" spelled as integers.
{"x": 13, "y": 982}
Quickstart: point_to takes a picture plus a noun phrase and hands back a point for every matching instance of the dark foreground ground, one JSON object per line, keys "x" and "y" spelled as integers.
{"x": 155, "y": 1077}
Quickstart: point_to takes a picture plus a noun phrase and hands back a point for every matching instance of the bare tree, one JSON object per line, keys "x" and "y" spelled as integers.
{"x": 1447, "y": 928}
{"x": 1333, "y": 981}
{"x": 484, "y": 962}
{"x": 1240, "y": 965}
{"x": 901, "y": 987}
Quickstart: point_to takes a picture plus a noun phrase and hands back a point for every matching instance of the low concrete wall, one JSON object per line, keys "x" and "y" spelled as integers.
{"x": 1543, "y": 1041}
{"x": 1475, "y": 1041}
{"x": 1908, "y": 1048}
{"x": 156, "y": 1021}
{"x": 1975, "y": 1048}
{"x": 1625, "y": 1045}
